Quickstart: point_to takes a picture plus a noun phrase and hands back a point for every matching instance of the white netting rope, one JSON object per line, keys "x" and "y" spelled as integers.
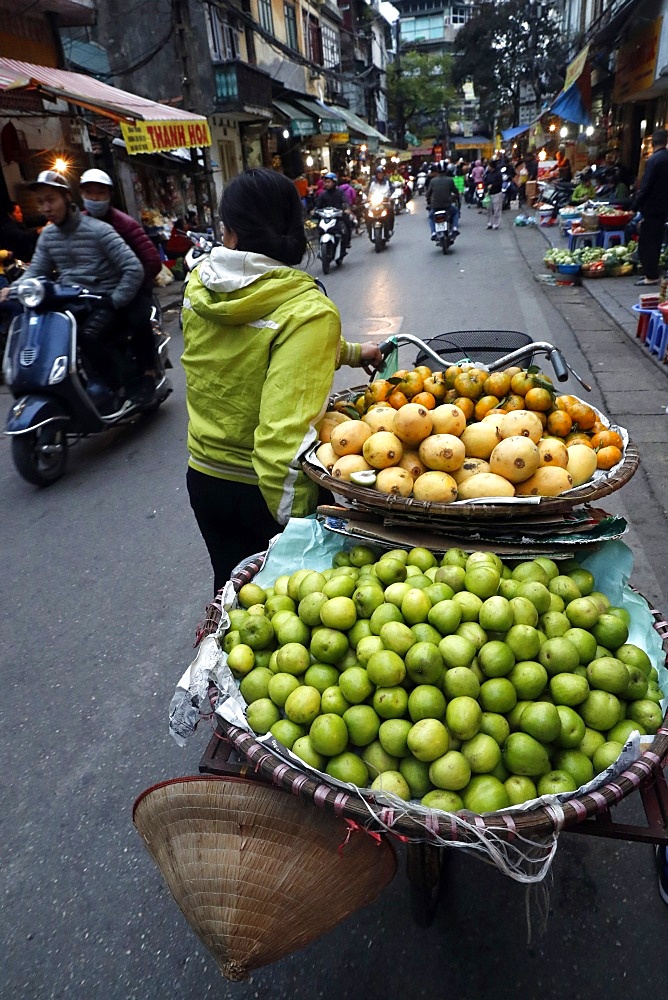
{"x": 520, "y": 857}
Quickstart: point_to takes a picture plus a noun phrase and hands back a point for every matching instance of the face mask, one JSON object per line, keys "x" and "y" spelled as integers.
{"x": 97, "y": 208}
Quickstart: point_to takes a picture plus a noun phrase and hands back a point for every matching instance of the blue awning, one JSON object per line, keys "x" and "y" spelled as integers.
{"x": 572, "y": 106}
{"x": 510, "y": 133}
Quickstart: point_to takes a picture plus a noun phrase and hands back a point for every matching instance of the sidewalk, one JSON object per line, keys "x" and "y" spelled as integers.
{"x": 616, "y": 296}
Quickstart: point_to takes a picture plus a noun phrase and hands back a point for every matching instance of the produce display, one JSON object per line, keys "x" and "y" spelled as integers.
{"x": 615, "y": 261}
{"x": 464, "y": 434}
{"x": 460, "y": 681}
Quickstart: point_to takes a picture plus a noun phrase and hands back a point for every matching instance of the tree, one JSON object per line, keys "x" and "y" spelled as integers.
{"x": 506, "y": 44}
{"x": 419, "y": 87}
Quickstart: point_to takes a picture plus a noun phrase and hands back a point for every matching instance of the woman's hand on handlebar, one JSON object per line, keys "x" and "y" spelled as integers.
{"x": 371, "y": 357}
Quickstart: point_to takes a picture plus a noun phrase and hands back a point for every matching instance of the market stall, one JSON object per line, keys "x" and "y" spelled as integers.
{"x": 443, "y": 654}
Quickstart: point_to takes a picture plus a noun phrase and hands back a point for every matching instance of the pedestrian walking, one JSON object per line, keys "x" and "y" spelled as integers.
{"x": 652, "y": 202}
{"x": 493, "y": 185}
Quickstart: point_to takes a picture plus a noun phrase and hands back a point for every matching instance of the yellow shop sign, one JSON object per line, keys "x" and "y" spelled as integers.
{"x": 157, "y": 137}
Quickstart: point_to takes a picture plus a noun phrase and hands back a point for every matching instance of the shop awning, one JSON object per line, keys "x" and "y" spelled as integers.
{"x": 300, "y": 123}
{"x": 357, "y": 124}
{"x": 573, "y": 104}
{"x": 329, "y": 119}
{"x": 511, "y": 133}
{"x": 147, "y": 127}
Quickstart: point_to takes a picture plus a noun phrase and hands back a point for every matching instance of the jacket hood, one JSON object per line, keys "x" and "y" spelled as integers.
{"x": 229, "y": 270}
{"x": 236, "y": 288}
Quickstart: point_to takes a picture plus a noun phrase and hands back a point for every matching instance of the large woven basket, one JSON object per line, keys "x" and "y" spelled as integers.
{"x": 256, "y": 872}
{"x": 439, "y": 827}
{"x": 364, "y": 498}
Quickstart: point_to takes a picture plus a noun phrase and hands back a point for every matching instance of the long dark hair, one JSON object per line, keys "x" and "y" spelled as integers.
{"x": 263, "y": 208}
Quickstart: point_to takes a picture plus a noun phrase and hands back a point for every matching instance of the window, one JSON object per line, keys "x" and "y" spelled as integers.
{"x": 291, "y": 26}
{"x": 223, "y": 36}
{"x": 429, "y": 28}
{"x": 265, "y": 15}
{"x": 312, "y": 39}
{"x": 460, "y": 15}
{"x": 331, "y": 53}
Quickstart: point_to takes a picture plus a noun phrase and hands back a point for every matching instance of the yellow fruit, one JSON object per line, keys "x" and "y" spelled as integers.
{"x": 330, "y": 420}
{"x": 327, "y": 456}
{"x": 538, "y": 399}
{"x": 412, "y": 424}
{"x": 349, "y": 437}
{"x": 549, "y": 481}
{"x": 396, "y": 481}
{"x": 443, "y": 452}
{"x": 485, "y": 484}
{"x": 552, "y": 451}
{"x": 379, "y": 418}
{"x": 378, "y": 391}
{"x": 521, "y": 423}
{"x": 347, "y": 464}
{"x": 436, "y": 487}
{"x": 448, "y": 419}
{"x": 581, "y": 463}
{"x": 608, "y": 457}
{"x": 515, "y": 458}
{"x": 412, "y": 463}
{"x": 481, "y": 439}
{"x": 470, "y": 467}
{"x": 383, "y": 449}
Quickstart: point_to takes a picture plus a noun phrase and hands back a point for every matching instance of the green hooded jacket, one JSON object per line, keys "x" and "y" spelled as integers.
{"x": 261, "y": 346}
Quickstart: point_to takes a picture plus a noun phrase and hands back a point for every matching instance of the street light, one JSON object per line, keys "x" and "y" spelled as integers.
{"x": 563, "y": 132}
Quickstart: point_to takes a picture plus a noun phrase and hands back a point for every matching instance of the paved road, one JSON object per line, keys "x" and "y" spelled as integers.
{"x": 103, "y": 578}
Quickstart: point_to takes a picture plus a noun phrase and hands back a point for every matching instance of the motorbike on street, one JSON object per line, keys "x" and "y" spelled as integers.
{"x": 443, "y": 231}
{"x": 377, "y": 221}
{"x": 331, "y": 237}
{"x": 478, "y": 195}
{"x": 420, "y": 183}
{"x": 398, "y": 200}
{"x": 55, "y": 402}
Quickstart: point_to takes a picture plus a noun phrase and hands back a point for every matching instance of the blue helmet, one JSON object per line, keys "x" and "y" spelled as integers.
{"x": 331, "y": 176}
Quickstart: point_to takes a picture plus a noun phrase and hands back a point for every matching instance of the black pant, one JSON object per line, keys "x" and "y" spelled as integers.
{"x": 233, "y": 520}
{"x": 650, "y": 240}
{"x": 97, "y": 333}
{"x": 136, "y": 316}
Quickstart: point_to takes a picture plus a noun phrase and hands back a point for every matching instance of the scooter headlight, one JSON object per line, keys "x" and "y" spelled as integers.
{"x": 30, "y": 293}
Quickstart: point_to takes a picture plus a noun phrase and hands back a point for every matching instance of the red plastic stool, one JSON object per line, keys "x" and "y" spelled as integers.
{"x": 644, "y": 316}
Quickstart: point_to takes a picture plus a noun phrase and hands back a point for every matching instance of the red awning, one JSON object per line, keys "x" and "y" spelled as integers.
{"x": 167, "y": 128}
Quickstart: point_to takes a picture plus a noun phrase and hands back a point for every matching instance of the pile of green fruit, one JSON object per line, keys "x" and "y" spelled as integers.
{"x": 463, "y": 683}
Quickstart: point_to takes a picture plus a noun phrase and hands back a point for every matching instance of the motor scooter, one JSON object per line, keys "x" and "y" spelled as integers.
{"x": 398, "y": 199}
{"x": 444, "y": 236}
{"x": 55, "y": 402}
{"x": 377, "y": 220}
{"x": 420, "y": 183}
{"x": 331, "y": 232}
{"x": 478, "y": 195}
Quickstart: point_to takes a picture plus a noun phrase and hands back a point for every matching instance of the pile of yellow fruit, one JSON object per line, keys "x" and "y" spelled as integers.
{"x": 464, "y": 433}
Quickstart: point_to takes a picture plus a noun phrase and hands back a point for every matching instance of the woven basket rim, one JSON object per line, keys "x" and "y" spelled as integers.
{"x": 540, "y": 821}
{"x": 366, "y": 498}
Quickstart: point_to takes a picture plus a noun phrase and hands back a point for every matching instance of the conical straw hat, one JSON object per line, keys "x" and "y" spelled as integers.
{"x": 257, "y": 872}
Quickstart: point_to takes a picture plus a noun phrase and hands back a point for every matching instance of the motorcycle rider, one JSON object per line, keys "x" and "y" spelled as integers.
{"x": 84, "y": 251}
{"x": 96, "y": 189}
{"x": 380, "y": 184}
{"x": 442, "y": 194}
{"x": 333, "y": 197}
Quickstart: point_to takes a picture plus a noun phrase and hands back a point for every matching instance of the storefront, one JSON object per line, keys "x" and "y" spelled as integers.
{"x": 51, "y": 118}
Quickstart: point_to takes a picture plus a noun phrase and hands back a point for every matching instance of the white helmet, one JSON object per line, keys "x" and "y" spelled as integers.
{"x": 96, "y": 176}
{"x": 50, "y": 178}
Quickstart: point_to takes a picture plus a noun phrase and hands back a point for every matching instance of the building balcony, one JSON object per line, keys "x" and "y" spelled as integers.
{"x": 242, "y": 90}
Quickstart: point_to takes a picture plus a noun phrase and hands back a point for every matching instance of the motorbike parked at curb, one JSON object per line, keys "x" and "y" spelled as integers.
{"x": 377, "y": 220}
{"x": 332, "y": 242}
{"x": 55, "y": 402}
